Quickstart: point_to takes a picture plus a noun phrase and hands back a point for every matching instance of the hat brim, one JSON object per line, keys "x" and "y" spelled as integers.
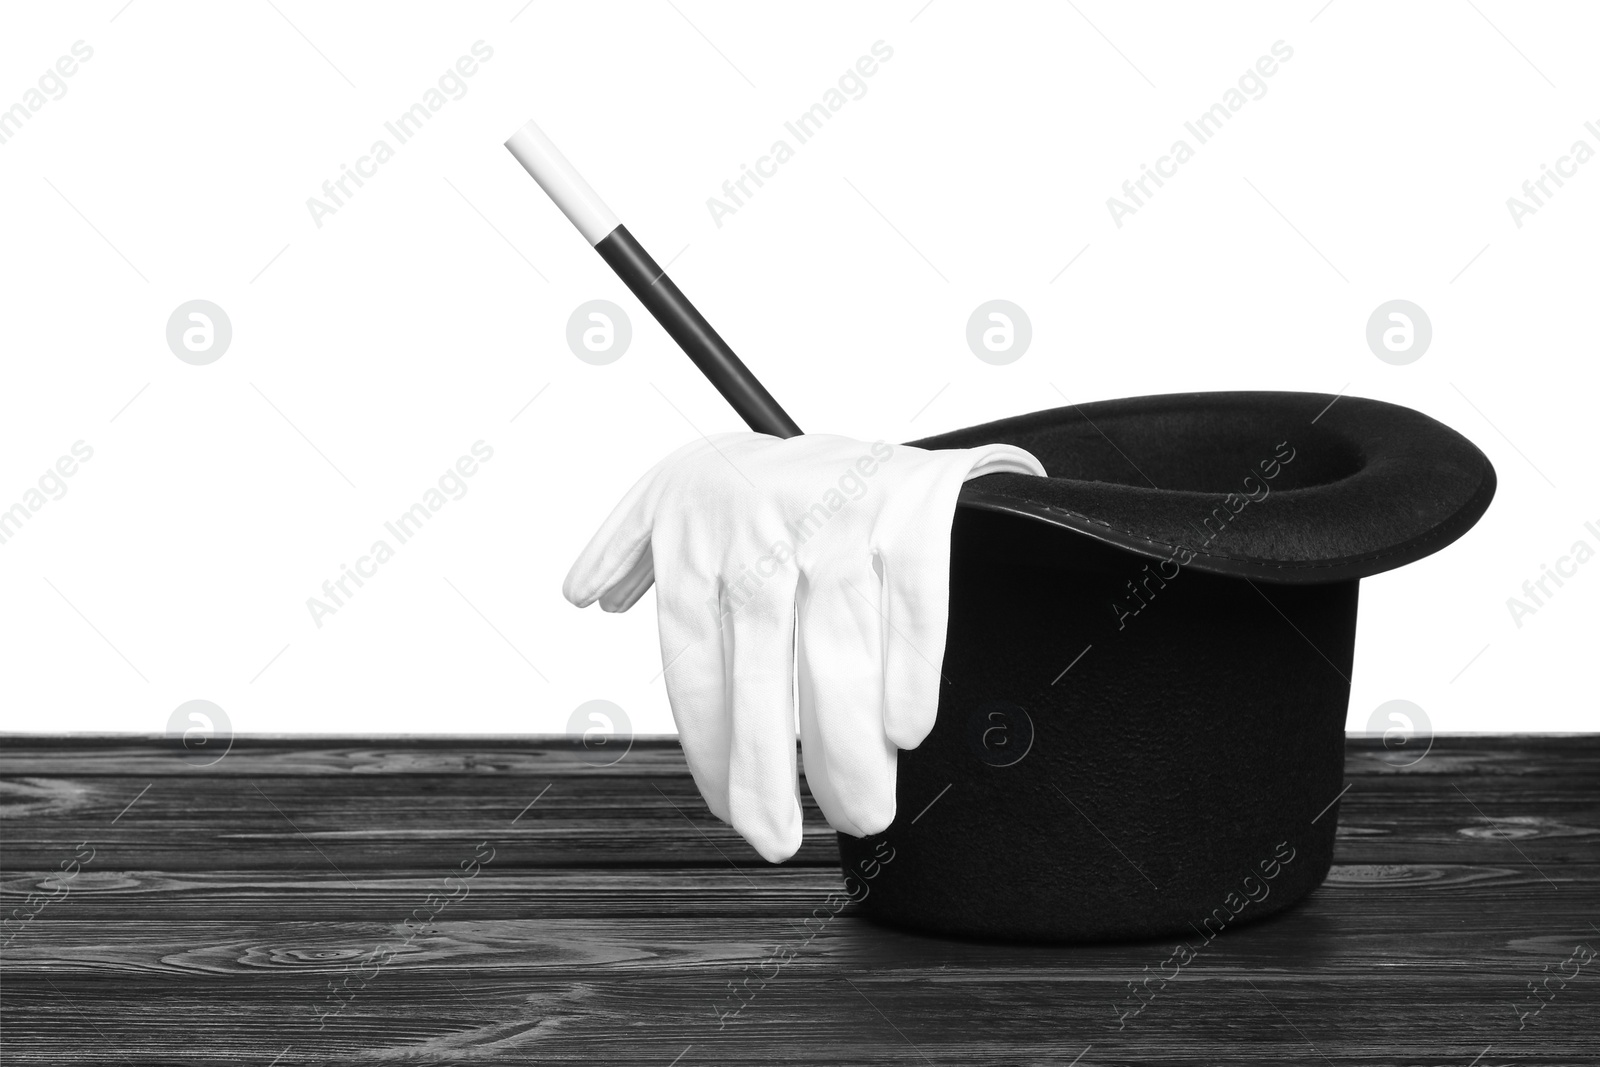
{"x": 1275, "y": 486}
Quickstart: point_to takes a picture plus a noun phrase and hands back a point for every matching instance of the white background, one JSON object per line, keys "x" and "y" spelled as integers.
{"x": 415, "y": 321}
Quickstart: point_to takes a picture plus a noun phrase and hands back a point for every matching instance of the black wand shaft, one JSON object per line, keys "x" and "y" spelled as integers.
{"x": 694, "y": 334}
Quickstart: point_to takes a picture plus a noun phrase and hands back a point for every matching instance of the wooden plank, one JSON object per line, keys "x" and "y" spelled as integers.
{"x": 1463, "y": 890}
{"x": 1351, "y": 932}
{"x": 310, "y": 830}
{"x": 1523, "y": 755}
{"x": 303, "y": 757}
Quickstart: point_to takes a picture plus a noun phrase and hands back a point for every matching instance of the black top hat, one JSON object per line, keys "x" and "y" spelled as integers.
{"x": 1148, "y": 662}
{"x": 1148, "y": 659}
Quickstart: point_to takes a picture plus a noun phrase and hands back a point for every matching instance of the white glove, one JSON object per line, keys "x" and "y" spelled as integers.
{"x": 749, "y": 534}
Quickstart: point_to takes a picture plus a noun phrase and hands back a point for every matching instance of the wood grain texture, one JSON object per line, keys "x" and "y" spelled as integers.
{"x": 291, "y": 903}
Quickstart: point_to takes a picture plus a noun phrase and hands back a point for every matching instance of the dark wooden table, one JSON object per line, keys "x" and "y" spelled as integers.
{"x": 442, "y": 901}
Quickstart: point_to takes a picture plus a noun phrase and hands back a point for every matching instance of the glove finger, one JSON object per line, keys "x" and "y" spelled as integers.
{"x": 627, "y": 590}
{"x": 914, "y": 558}
{"x": 917, "y": 606}
{"x": 615, "y": 550}
{"x": 688, "y": 616}
{"x": 763, "y": 789}
{"x": 613, "y": 555}
{"x": 850, "y": 764}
